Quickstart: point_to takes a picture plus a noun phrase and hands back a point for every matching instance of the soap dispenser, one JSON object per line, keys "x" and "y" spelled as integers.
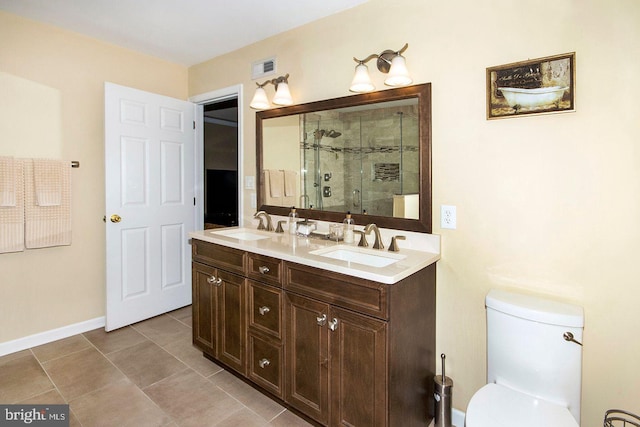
{"x": 293, "y": 220}
{"x": 348, "y": 225}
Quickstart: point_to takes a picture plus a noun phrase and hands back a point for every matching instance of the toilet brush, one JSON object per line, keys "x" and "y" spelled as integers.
{"x": 442, "y": 395}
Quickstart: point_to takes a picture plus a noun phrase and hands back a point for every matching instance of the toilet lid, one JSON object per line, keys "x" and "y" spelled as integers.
{"x": 495, "y": 405}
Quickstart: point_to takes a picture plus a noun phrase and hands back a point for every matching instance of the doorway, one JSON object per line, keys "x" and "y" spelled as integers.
{"x": 220, "y": 154}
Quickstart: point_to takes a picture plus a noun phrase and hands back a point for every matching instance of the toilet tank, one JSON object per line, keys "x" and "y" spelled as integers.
{"x": 526, "y": 350}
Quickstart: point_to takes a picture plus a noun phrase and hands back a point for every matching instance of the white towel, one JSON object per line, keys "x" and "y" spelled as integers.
{"x": 276, "y": 183}
{"x": 47, "y": 226}
{"x": 12, "y": 217}
{"x": 48, "y": 177}
{"x": 265, "y": 189}
{"x": 290, "y": 178}
{"x": 7, "y": 181}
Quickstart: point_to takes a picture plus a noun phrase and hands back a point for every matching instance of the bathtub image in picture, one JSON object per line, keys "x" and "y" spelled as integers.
{"x": 538, "y": 86}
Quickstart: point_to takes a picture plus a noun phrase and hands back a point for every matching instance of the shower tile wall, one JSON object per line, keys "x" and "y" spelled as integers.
{"x": 367, "y": 138}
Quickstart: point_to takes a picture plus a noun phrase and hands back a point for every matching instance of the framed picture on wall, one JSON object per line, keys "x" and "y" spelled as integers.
{"x": 536, "y": 86}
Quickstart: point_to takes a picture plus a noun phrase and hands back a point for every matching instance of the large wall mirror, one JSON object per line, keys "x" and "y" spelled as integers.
{"x": 367, "y": 154}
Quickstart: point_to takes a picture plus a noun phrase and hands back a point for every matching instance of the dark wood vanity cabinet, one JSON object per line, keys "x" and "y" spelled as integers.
{"x": 342, "y": 350}
{"x": 219, "y": 323}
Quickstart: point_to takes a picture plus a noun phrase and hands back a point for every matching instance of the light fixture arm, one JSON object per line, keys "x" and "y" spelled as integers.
{"x": 275, "y": 82}
{"x": 384, "y": 58}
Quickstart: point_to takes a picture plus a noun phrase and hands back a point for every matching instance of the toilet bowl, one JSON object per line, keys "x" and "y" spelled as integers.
{"x": 533, "y": 371}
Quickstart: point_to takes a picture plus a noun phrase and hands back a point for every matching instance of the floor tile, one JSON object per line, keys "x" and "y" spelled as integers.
{"x": 247, "y": 395}
{"x": 162, "y": 329}
{"x": 184, "y": 350}
{"x": 21, "y": 378}
{"x": 60, "y": 348}
{"x": 183, "y": 314}
{"x": 13, "y": 356}
{"x": 108, "y": 342}
{"x": 81, "y": 372}
{"x": 242, "y": 418}
{"x": 52, "y": 397}
{"x": 119, "y": 404}
{"x": 146, "y": 363}
{"x": 288, "y": 419}
{"x": 192, "y": 400}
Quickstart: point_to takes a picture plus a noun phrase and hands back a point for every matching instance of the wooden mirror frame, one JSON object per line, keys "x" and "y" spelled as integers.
{"x": 423, "y": 93}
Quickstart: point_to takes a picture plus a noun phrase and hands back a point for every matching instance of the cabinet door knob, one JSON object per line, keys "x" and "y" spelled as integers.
{"x": 322, "y": 320}
{"x": 264, "y": 363}
{"x": 218, "y": 281}
{"x": 333, "y": 324}
{"x": 211, "y": 280}
{"x": 263, "y": 269}
{"x": 264, "y": 310}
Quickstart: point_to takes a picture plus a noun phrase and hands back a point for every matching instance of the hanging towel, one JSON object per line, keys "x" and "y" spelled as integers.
{"x": 265, "y": 189}
{"x": 290, "y": 178}
{"x": 276, "y": 183}
{"x": 47, "y": 226}
{"x": 12, "y": 217}
{"x": 48, "y": 175}
{"x": 7, "y": 181}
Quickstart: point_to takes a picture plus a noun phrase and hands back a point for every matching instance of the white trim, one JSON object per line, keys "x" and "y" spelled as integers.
{"x": 457, "y": 417}
{"x": 207, "y": 98}
{"x": 50, "y": 336}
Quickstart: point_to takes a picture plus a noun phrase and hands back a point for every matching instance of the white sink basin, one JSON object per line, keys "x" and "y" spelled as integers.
{"x": 369, "y": 257}
{"x": 241, "y": 234}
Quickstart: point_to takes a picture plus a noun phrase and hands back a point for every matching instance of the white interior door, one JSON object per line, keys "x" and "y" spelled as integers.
{"x": 149, "y": 183}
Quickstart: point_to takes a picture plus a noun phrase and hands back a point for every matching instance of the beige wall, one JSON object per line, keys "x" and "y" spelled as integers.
{"x": 546, "y": 204}
{"x": 51, "y": 105}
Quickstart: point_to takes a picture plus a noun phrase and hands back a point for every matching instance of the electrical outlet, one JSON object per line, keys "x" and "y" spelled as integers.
{"x": 448, "y": 217}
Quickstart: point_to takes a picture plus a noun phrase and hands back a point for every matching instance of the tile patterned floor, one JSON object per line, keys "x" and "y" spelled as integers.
{"x": 147, "y": 374}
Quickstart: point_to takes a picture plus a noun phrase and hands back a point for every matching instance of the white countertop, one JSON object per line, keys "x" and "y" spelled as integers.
{"x": 299, "y": 249}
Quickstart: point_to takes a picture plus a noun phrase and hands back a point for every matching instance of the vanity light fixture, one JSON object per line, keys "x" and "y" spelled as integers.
{"x": 388, "y": 62}
{"x": 282, "y": 96}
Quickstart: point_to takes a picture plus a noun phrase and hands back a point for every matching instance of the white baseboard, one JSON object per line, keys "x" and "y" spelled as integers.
{"x": 49, "y": 336}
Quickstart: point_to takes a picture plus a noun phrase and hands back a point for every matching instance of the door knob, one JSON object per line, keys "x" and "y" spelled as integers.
{"x": 116, "y": 218}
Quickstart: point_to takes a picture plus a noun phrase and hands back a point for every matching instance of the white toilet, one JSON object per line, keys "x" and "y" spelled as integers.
{"x": 533, "y": 371}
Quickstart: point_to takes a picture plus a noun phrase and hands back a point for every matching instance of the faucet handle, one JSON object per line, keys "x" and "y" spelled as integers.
{"x": 261, "y": 225}
{"x": 279, "y": 228}
{"x": 363, "y": 238}
{"x": 393, "y": 247}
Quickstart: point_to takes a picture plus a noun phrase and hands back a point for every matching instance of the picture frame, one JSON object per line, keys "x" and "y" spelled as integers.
{"x": 535, "y": 86}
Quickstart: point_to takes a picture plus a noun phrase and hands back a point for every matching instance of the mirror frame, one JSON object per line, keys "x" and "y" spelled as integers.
{"x": 423, "y": 93}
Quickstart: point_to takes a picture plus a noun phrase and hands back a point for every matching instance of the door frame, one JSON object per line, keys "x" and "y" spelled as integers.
{"x": 210, "y": 98}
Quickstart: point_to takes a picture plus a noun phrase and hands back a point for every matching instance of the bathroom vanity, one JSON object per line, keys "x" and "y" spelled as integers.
{"x": 343, "y": 335}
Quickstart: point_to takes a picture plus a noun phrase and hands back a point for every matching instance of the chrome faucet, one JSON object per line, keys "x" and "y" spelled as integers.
{"x": 378, "y": 243}
{"x": 260, "y": 215}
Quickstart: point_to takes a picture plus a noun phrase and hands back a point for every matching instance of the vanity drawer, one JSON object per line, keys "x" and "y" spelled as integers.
{"x": 363, "y": 296}
{"x": 265, "y": 364}
{"x": 265, "y": 269}
{"x": 229, "y": 259}
{"x": 265, "y": 309}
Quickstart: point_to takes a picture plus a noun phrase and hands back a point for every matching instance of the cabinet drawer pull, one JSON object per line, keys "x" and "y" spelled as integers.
{"x": 322, "y": 320}
{"x": 264, "y": 310}
{"x": 264, "y": 363}
{"x": 333, "y": 324}
{"x": 263, "y": 269}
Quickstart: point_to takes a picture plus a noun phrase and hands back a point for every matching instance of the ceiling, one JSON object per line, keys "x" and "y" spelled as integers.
{"x": 185, "y": 32}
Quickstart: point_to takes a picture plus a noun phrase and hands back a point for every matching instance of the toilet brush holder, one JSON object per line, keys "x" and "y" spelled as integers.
{"x": 443, "y": 386}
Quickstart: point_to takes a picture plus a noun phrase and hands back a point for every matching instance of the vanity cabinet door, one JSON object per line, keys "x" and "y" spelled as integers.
{"x": 358, "y": 369}
{"x": 219, "y": 315}
{"x": 307, "y": 370}
{"x": 232, "y": 321}
{"x": 204, "y": 308}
